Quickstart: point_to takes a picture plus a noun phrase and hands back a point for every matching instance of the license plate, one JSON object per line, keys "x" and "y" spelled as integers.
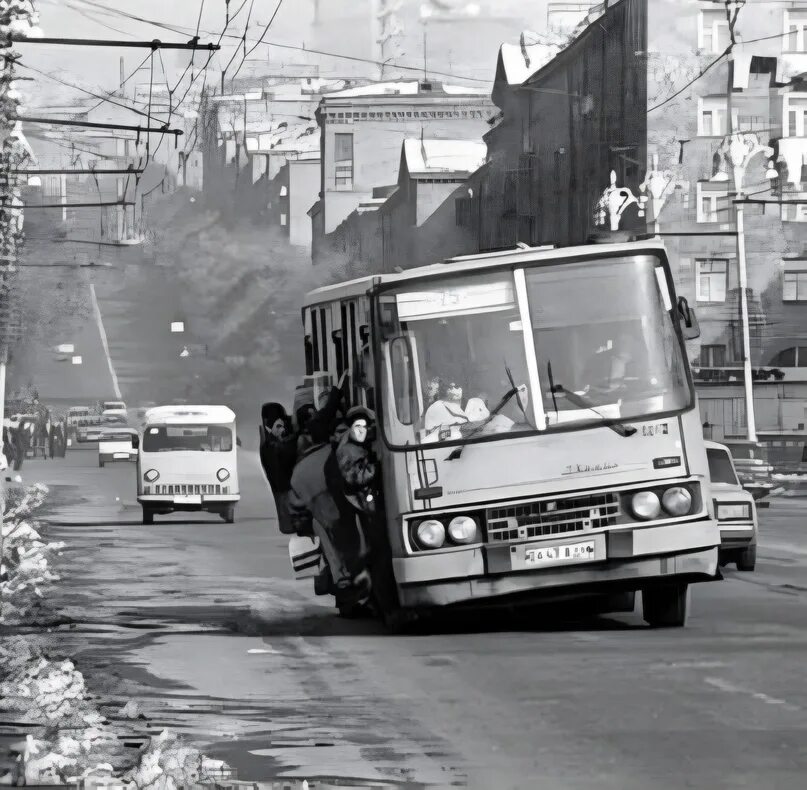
{"x": 569, "y": 552}
{"x": 188, "y": 499}
{"x": 121, "y": 456}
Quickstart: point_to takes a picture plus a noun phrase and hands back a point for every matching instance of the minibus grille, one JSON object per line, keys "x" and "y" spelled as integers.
{"x": 552, "y": 516}
{"x": 188, "y": 488}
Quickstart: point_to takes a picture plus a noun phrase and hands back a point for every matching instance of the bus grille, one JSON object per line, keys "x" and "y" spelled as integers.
{"x": 189, "y": 488}
{"x": 552, "y": 516}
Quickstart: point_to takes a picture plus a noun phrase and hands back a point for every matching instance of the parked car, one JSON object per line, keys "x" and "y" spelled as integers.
{"x": 735, "y": 510}
{"x": 752, "y": 465}
{"x": 117, "y": 443}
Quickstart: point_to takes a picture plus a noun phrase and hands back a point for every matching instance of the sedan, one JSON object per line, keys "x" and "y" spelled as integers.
{"x": 735, "y": 510}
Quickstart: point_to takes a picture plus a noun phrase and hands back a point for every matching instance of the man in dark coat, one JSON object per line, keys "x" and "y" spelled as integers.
{"x": 313, "y": 511}
{"x": 278, "y": 454}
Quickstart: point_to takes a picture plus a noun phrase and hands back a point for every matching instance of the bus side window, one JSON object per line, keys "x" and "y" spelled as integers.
{"x": 337, "y": 335}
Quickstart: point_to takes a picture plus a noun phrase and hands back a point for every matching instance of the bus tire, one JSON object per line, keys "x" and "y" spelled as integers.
{"x": 148, "y": 516}
{"x": 101, "y": 462}
{"x": 666, "y": 606}
{"x": 747, "y": 559}
{"x": 228, "y": 514}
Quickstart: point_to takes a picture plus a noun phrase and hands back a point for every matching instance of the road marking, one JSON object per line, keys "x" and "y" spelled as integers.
{"x": 731, "y": 688}
{"x": 99, "y": 321}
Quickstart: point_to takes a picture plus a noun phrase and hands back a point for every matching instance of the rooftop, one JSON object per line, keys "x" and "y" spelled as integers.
{"x": 407, "y": 88}
{"x": 534, "y": 50}
{"x": 432, "y": 157}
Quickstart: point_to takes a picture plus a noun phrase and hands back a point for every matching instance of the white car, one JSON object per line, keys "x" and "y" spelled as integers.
{"x": 117, "y": 443}
{"x": 735, "y": 510}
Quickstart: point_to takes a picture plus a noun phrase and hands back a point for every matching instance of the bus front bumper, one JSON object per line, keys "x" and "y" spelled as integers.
{"x": 625, "y": 558}
{"x": 187, "y": 501}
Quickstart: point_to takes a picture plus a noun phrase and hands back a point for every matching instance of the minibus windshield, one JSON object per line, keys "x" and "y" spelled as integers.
{"x": 193, "y": 438}
{"x": 601, "y": 336}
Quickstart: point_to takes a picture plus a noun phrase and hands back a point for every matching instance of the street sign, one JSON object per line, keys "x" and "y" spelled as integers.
{"x": 65, "y": 348}
{"x": 76, "y": 360}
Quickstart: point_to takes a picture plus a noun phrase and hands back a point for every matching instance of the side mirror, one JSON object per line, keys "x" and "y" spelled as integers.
{"x": 238, "y": 441}
{"x": 688, "y": 320}
{"x": 135, "y": 442}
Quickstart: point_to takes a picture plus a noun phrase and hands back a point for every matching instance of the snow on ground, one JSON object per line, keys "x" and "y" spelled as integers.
{"x": 75, "y": 743}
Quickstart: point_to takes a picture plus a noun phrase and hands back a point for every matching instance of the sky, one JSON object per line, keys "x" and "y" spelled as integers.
{"x": 99, "y": 68}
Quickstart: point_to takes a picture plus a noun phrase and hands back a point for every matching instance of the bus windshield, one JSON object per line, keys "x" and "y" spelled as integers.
{"x": 601, "y": 336}
{"x": 195, "y": 438}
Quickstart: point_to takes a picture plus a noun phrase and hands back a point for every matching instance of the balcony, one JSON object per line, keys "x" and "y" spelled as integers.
{"x": 732, "y": 374}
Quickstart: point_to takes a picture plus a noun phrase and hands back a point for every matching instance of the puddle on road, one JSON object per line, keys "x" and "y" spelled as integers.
{"x": 255, "y": 759}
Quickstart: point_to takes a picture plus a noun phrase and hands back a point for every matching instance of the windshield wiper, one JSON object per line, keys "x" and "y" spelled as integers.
{"x": 457, "y": 451}
{"x": 579, "y": 400}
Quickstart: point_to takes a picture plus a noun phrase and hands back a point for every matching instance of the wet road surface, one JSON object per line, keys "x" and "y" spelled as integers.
{"x": 202, "y": 623}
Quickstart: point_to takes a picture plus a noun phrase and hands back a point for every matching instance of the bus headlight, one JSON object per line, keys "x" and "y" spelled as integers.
{"x": 222, "y": 475}
{"x": 645, "y": 505}
{"x": 431, "y": 533}
{"x": 677, "y": 501}
{"x": 151, "y": 475}
{"x": 462, "y": 529}
{"x": 733, "y": 511}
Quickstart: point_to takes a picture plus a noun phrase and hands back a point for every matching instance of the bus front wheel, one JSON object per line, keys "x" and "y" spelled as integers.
{"x": 228, "y": 514}
{"x": 148, "y": 516}
{"x": 666, "y": 606}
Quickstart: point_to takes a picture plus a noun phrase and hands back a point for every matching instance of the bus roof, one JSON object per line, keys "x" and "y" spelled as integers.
{"x": 189, "y": 415}
{"x": 477, "y": 263}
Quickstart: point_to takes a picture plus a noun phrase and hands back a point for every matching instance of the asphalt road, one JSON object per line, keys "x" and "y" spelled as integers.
{"x": 202, "y": 623}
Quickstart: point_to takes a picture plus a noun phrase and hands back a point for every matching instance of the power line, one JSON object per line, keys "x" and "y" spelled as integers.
{"x": 260, "y": 40}
{"x": 95, "y": 42}
{"x": 180, "y": 30}
{"x": 80, "y": 88}
{"x": 92, "y": 125}
{"x": 694, "y": 79}
{"x": 112, "y": 93}
{"x": 235, "y": 51}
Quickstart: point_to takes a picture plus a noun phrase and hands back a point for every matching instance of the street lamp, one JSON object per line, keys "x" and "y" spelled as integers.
{"x": 613, "y": 202}
{"x": 739, "y": 148}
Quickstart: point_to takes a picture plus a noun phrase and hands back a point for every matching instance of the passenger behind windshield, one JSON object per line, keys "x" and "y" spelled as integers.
{"x": 447, "y": 419}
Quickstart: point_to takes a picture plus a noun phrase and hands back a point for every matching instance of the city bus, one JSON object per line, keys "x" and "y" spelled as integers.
{"x": 537, "y": 427}
{"x": 188, "y": 461}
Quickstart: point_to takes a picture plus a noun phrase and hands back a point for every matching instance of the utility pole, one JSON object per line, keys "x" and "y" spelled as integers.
{"x": 14, "y": 14}
{"x": 733, "y": 8}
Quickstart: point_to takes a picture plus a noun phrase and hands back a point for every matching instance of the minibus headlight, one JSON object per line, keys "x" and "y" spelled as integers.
{"x": 222, "y": 475}
{"x": 151, "y": 475}
{"x": 462, "y": 529}
{"x": 677, "y": 501}
{"x": 645, "y": 505}
{"x": 431, "y": 534}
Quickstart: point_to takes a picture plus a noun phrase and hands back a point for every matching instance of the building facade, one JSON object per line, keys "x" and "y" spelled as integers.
{"x": 643, "y": 91}
{"x": 362, "y": 131}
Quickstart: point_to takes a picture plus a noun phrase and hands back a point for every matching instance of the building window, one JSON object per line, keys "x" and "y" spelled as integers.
{"x": 343, "y": 159}
{"x": 794, "y": 212}
{"x": 795, "y": 26}
{"x": 795, "y": 282}
{"x": 713, "y": 31}
{"x": 712, "y": 116}
{"x": 713, "y": 206}
{"x": 711, "y": 279}
{"x": 712, "y": 357}
{"x": 795, "y": 112}
{"x": 793, "y": 357}
{"x": 53, "y": 186}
